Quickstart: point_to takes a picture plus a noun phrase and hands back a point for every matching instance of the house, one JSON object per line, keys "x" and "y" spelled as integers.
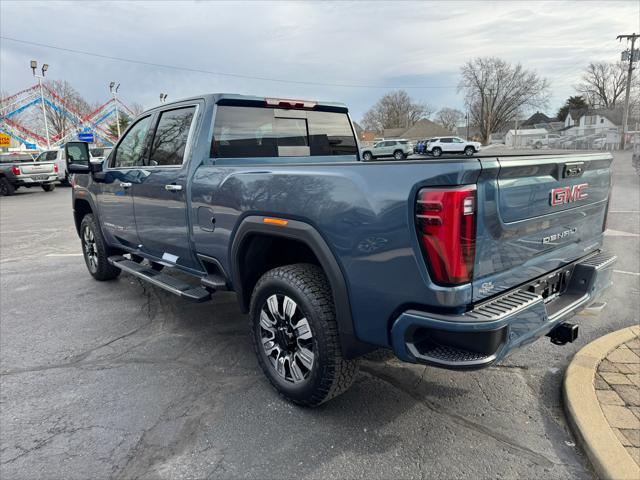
{"x": 524, "y": 137}
{"x": 584, "y": 123}
{"x": 536, "y": 119}
{"x": 425, "y": 129}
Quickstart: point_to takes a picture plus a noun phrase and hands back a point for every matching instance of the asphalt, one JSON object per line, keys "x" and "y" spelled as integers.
{"x": 119, "y": 379}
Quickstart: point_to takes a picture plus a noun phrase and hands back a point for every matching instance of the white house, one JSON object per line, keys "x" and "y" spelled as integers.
{"x": 581, "y": 123}
{"x": 524, "y": 137}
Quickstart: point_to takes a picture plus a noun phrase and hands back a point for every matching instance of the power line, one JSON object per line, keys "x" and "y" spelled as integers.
{"x": 224, "y": 74}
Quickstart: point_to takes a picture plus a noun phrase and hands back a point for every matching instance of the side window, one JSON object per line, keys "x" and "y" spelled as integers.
{"x": 52, "y": 155}
{"x": 42, "y": 157}
{"x": 171, "y": 135}
{"x": 445, "y": 140}
{"x": 129, "y": 151}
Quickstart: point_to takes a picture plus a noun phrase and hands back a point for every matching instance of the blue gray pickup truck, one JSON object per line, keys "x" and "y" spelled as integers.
{"x": 449, "y": 262}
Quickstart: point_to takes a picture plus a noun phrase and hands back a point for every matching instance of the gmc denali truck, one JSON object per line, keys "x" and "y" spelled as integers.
{"x": 450, "y": 262}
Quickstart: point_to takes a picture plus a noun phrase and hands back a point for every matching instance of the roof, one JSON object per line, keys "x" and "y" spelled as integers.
{"x": 614, "y": 116}
{"x": 576, "y": 113}
{"x": 529, "y": 131}
{"x": 393, "y": 132}
{"x": 537, "y": 117}
{"x": 234, "y": 98}
{"x": 425, "y": 128}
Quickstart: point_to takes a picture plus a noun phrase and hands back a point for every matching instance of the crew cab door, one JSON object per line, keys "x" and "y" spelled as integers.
{"x": 115, "y": 200}
{"x": 161, "y": 192}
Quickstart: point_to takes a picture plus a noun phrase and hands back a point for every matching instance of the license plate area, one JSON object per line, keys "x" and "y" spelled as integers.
{"x": 552, "y": 285}
{"x": 39, "y": 178}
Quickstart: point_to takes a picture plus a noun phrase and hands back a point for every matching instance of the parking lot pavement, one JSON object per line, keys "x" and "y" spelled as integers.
{"x": 120, "y": 379}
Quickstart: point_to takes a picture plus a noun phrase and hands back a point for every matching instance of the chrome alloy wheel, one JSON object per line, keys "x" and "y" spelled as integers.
{"x": 90, "y": 251}
{"x": 286, "y": 338}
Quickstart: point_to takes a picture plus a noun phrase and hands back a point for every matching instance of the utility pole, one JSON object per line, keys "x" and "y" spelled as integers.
{"x": 45, "y": 67}
{"x": 466, "y": 117}
{"x": 113, "y": 88}
{"x": 632, "y": 55}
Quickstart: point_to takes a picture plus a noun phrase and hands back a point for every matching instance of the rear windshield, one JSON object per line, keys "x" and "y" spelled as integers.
{"x": 241, "y": 132}
{"x": 16, "y": 158}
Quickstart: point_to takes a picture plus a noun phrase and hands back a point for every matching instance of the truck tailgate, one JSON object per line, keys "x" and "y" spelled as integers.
{"x": 535, "y": 214}
{"x": 36, "y": 168}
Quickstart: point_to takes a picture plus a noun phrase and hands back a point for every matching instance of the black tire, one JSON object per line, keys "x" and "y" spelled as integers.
{"x": 436, "y": 152}
{"x": 49, "y": 187}
{"x": 468, "y": 151}
{"x": 398, "y": 155}
{"x": 329, "y": 374}
{"x": 96, "y": 254}
{"x": 367, "y": 157}
{"x": 6, "y": 187}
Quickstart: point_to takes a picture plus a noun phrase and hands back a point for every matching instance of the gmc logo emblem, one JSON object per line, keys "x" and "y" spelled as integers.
{"x": 562, "y": 195}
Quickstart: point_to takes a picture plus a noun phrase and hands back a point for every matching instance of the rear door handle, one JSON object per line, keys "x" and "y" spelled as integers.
{"x": 173, "y": 188}
{"x": 125, "y": 184}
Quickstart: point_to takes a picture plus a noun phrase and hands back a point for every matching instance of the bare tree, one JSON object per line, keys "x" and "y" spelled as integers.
{"x": 449, "y": 118}
{"x": 136, "y": 108}
{"x": 495, "y": 91}
{"x": 59, "y": 121}
{"x": 603, "y": 84}
{"x": 395, "y": 110}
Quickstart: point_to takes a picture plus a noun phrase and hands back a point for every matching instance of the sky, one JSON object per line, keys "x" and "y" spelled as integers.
{"x": 350, "y": 52}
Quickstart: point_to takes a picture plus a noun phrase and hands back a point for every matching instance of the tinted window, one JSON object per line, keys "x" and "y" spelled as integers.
{"x": 265, "y": 132}
{"x": 445, "y": 140}
{"x": 51, "y": 155}
{"x": 403, "y": 142}
{"x": 170, "y": 139}
{"x": 129, "y": 151}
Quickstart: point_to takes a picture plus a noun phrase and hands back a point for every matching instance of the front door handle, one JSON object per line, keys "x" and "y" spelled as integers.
{"x": 125, "y": 184}
{"x": 173, "y": 188}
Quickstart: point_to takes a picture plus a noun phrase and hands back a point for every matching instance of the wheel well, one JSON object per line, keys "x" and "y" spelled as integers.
{"x": 260, "y": 253}
{"x": 80, "y": 209}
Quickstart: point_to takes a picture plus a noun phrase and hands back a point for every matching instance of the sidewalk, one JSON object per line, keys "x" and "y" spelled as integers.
{"x": 602, "y": 400}
{"x": 617, "y": 386}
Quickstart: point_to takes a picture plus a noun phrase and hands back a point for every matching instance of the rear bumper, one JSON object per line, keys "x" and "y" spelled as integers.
{"x": 25, "y": 180}
{"x": 493, "y": 329}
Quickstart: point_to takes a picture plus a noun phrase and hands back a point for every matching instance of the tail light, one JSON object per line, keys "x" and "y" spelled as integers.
{"x": 55, "y": 168}
{"x": 16, "y": 170}
{"x": 446, "y": 223}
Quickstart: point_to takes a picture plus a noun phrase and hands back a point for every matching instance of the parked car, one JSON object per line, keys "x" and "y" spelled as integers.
{"x": 98, "y": 154}
{"x": 56, "y": 156}
{"x": 438, "y": 146}
{"x": 19, "y": 170}
{"x": 332, "y": 258}
{"x": 547, "y": 140}
{"x": 398, "y": 149}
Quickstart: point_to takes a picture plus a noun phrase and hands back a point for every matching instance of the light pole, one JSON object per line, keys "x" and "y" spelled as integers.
{"x": 163, "y": 97}
{"x": 625, "y": 115}
{"x": 466, "y": 117}
{"x": 113, "y": 88}
{"x": 45, "y": 67}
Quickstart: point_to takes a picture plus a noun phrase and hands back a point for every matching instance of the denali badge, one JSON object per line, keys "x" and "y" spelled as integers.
{"x": 562, "y": 195}
{"x": 558, "y": 236}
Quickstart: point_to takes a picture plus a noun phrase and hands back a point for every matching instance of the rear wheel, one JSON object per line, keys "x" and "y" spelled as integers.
{"x": 436, "y": 152}
{"x": 96, "y": 251}
{"x": 6, "y": 188}
{"x": 398, "y": 155}
{"x": 49, "y": 187}
{"x": 367, "y": 157}
{"x": 295, "y": 335}
{"x": 468, "y": 151}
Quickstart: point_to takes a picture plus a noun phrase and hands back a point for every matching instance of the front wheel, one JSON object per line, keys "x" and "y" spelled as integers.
{"x": 367, "y": 157}
{"x": 436, "y": 152}
{"x": 49, "y": 187}
{"x": 469, "y": 151}
{"x": 295, "y": 335}
{"x": 96, "y": 251}
{"x": 398, "y": 155}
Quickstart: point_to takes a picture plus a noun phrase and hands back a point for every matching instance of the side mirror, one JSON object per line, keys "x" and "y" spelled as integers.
{"x": 78, "y": 159}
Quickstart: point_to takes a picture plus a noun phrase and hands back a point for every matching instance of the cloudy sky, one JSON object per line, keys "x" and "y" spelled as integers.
{"x": 339, "y": 51}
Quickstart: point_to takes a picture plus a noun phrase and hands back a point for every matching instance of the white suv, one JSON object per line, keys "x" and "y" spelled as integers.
{"x": 438, "y": 146}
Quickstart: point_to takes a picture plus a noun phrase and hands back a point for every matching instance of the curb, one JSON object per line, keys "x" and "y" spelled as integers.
{"x": 607, "y": 455}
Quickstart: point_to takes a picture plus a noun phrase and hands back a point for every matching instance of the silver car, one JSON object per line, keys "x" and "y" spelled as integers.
{"x": 398, "y": 149}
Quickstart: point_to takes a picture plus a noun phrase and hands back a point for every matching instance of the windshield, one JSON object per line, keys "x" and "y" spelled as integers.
{"x": 16, "y": 158}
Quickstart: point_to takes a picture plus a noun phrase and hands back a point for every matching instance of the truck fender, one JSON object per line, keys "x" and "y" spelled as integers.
{"x": 308, "y": 235}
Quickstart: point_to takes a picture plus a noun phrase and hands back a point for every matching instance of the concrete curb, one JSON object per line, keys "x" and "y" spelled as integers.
{"x": 607, "y": 455}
